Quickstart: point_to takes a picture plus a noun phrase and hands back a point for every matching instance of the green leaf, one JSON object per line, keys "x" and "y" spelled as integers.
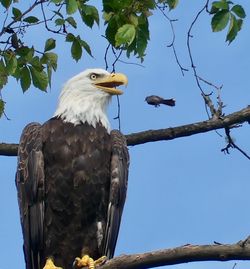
{"x": 111, "y": 30}
{"x": 107, "y": 16}
{"x": 6, "y": 3}
{"x": 49, "y": 72}
{"x": 220, "y": 5}
{"x": 11, "y": 64}
{"x": 39, "y": 79}
{"x": 239, "y": 11}
{"x": 50, "y": 59}
{"x": 16, "y": 14}
{"x": 35, "y": 62}
{"x": 25, "y": 78}
{"x": 125, "y": 35}
{"x": 56, "y": 1}
{"x": 3, "y": 74}
{"x": 239, "y": 22}
{"x": 234, "y": 28}
{"x": 172, "y": 4}
{"x": 72, "y": 22}
{"x": 50, "y": 44}
{"x": 28, "y": 57}
{"x": 142, "y": 42}
{"x": 89, "y": 15}
{"x": 86, "y": 46}
{"x": 213, "y": 10}
{"x": 149, "y": 4}
{"x": 133, "y": 19}
{"x": 71, "y": 6}
{"x": 31, "y": 19}
{"x": 70, "y": 37}
{"x": 220, "y": 20}
{"x": 16, "y": 74}
{"x": 2, "y": 104}
{"x": 76, "y": 50}
{"x": 59, "y": 22}
{"x": 23, "y": 51}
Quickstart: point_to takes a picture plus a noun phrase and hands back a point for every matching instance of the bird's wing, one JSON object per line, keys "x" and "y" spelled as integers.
{"x": 118, "y": 189}
{"x": 30, "y": 188}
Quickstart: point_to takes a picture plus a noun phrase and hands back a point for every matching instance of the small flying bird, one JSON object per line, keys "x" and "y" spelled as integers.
{"x": 155, "y": 100}
{"x": 72, "y": 177}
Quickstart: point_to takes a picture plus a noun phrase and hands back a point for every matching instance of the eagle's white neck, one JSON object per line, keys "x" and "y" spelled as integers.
{"x": 78, "y": 105}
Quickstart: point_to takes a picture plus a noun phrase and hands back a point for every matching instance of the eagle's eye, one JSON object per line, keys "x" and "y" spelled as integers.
{"x": 93, "y": 76}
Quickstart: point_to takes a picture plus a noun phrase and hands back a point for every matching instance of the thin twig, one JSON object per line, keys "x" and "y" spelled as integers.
{"x": 172, "y": 43}
{"x": 206, "y": 97}
{"x": 235, "y": 264}
{"x": 209, "y": 83}
{"x": 116, "y": 58}
{"x": 46, "y": 25}
{"x": 124, "y": 62}
{"x": 118, "y": 117}
{"x": 118, "y": 101}
{"x": 5, "y": 19}
{"x": 106, "y": 56}
{"x": 231, "y": 144}
{"x": 189, "y": 36}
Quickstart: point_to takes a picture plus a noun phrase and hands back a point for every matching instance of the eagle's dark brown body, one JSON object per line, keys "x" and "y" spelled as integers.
{"x": 77, "y": 189}
{"x": 70, "y": 192}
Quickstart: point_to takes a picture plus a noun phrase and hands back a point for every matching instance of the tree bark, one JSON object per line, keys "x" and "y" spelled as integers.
{"x": 168, "y": 133}
{"x": 183, "y": 254}
{"x": 8, "y": 149}
{"x": 189, "y": 129}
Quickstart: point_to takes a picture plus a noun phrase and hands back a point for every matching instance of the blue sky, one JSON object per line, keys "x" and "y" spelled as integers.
{"x": 180, "y": 191}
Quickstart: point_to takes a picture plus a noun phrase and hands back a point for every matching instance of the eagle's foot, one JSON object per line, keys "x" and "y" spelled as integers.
{"x": 89, "y": 262}
{"x": 50, "y": 265}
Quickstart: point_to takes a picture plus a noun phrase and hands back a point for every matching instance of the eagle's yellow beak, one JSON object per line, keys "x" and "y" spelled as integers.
{"x": 108, "y": 83}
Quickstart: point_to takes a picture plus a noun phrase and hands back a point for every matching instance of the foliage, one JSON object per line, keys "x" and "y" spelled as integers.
{"x": 226, "y": 13}
{"x": 127, "y": 29}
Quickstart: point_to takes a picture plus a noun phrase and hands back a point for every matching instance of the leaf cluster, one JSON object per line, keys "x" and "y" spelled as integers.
{"x": 27, "y": 67}
{"x": 128, "y": 25}
{"x": 30, "y": 65}
{"x": 126, "y": 22}
{"x": 225, "y": 13}
{"x": 127, "y": 29}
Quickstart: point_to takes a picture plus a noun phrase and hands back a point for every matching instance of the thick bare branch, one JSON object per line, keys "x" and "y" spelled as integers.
{"x": 189, "y": 129}
{"x": 183, "y": 254}
{"x": 168, "y": 133}
{"x": 8, "y": 149}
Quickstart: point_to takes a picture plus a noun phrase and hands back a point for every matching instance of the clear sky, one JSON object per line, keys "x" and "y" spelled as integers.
{"x": 180, "y": 191}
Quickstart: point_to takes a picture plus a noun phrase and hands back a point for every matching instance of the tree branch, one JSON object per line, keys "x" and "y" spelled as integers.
{"x": 168, "y": 133}
{"x": 179, "y": 255}
{"x": 189, "y": 129}
{"x": 8, "y": 149}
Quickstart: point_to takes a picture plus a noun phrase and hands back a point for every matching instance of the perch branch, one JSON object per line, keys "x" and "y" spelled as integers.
{"x": 168, "y": 133}
{"x": 179, "y": 255}
{"x": 189, "y": 129}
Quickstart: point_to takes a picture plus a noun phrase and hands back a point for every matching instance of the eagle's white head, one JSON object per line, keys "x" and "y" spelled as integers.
{"x": 84, "y": 98}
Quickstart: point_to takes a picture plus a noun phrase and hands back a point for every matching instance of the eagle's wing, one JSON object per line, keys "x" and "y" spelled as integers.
{"x": 118, "y": 189}
{"x": 30, "y": 188}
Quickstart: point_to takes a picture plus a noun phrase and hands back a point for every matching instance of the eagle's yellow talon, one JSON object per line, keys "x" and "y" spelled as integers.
{"x": 101, "y": 260}
{"x": 50, "y": 265}
{"x": 89, "y": 262}
{"x": 85, "y": 261}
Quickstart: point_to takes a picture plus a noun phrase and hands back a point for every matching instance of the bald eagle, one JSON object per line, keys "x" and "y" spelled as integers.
{"x": 72, "y": 177}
